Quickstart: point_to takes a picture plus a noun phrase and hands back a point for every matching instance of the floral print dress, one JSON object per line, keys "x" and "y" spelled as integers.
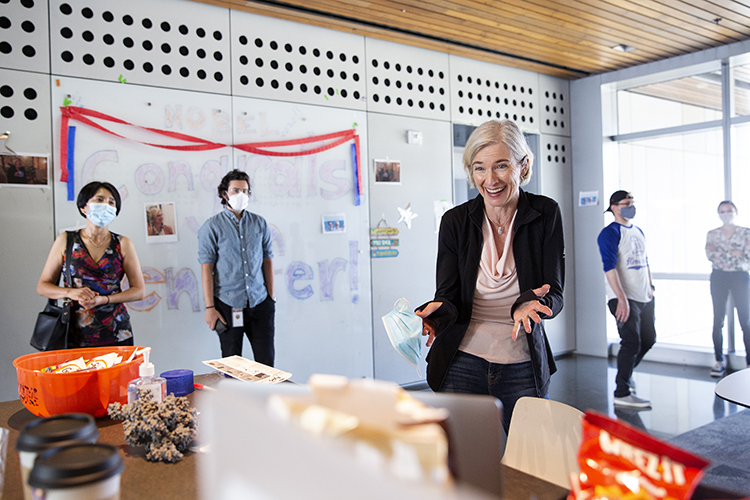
{"x": 729, "y": 254}
{"x": 107, "y": 324}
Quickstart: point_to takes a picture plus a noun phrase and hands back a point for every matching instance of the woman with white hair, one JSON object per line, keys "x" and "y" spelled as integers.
{"x": 155, "y": 219}
{"x": 500, "y": 271}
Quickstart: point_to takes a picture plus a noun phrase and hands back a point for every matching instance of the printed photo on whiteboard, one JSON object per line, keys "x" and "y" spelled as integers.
{"x": 161, "y": 224}
{"x": 388, "y": 171}
{"x": 23, "y": 170}
{"x": 588, "y": 198}
{"x": 334, "y": 223}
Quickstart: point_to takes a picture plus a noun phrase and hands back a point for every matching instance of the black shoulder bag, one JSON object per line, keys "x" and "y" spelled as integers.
{"x": 51, "y": 329}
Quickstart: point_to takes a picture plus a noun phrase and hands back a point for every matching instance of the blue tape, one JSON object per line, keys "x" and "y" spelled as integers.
{"x": 179, "y": 382}
{"x": 71, "y": 163}
{"x": 356, "y": 175}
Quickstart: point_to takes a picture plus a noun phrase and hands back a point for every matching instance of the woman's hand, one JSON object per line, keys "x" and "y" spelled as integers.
{"x": 97, "y": 300}
{"x": 83, "y": 296}
{"x": 428, "y": 326}
{"x": 524, "y": 315}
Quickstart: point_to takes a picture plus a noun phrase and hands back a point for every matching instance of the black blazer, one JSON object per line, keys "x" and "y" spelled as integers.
{"x": 539, "y": 251}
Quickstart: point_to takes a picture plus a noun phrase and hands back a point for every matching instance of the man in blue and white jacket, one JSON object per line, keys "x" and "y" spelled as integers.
{"x": 630, "y": 291}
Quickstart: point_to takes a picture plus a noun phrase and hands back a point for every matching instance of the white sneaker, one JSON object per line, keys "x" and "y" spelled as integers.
{"x": 632, "y": 402}
{"x": 718, "y": 369}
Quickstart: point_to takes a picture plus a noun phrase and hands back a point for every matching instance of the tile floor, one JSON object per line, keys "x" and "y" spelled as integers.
{"x": 682, "y": 397}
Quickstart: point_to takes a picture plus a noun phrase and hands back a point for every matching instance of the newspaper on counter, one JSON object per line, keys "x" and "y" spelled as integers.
{"x": 248, "y": 370}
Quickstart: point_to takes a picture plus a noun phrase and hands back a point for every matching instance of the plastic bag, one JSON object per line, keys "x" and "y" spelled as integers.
{"x": 620, "y": 462}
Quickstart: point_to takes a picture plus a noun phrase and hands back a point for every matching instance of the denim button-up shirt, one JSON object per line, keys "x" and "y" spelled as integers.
{"x": 237, "y": 249}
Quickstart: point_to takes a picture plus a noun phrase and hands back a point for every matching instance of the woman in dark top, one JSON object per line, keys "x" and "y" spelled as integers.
{"x": 500, "y": 271}
{"x": 99, "y": 261}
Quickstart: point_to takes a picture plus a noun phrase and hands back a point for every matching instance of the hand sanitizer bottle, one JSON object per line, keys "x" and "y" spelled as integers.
{"x": 147, "y": 381}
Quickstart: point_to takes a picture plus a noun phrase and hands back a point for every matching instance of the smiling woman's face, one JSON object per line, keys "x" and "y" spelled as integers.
{"x": 496, "y": 174}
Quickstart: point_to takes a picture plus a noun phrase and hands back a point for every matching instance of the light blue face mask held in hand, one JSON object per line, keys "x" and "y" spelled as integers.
{"x": 404, "y": 329}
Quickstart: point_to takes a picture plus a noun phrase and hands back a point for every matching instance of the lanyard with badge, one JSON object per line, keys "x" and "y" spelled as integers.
{"x": 237, "y": 319}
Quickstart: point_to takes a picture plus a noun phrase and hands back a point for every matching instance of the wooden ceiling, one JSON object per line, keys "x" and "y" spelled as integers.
{"x": 565, "y": 38}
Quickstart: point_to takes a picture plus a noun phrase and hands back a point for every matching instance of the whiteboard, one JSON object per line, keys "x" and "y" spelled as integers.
{"x": 322, "y": 280}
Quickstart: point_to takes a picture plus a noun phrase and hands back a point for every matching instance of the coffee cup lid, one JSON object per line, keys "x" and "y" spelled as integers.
{"x": 59, "y": 430}
{"x": 75, "y": 465}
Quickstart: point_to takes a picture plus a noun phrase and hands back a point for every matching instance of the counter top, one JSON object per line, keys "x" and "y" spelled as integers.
{"x": 142, "y": 479}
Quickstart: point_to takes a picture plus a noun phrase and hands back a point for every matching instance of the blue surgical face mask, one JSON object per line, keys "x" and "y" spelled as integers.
{"x": 628, "y": 212}
{"x": 101, "y": 214}
{"x": 404, "y": 329}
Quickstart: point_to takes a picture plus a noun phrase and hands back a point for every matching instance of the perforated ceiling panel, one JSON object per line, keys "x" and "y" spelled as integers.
{"x": 407, "y": 81}
{"x": 24, "y": 38}
{"x": 286, "y": 61}
{"x": 169, "y": 43}
{"x": 555, "y": 105}
{"x": 25, "y": 111}
{"x": 555, "y": 152}
{"x": 481, "y": 91}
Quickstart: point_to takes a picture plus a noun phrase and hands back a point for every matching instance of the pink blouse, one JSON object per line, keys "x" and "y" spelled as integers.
{"x": 489, "y": 335}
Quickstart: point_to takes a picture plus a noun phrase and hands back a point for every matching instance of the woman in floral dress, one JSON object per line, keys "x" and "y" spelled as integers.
{"x": 728, "y": 249}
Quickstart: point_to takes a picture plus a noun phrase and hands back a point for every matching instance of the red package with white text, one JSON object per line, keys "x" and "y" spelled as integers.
{"x": 620, "y": 462}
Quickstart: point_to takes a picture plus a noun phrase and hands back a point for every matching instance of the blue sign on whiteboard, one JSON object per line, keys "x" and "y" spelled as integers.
{"x": 383, "y": 252}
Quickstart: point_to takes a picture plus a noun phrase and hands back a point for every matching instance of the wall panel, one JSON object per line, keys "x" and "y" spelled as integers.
{"x": 406, "y": 81}
{"x": 25, "y": 111}
{"x": 24, "y": 35}
{"x": 555, "y": 174}
{"x": 555, "y": 105}
{"x": 481, "y": 91}
{"x": 279, "y": 60}
{"x": 169, "y": 43}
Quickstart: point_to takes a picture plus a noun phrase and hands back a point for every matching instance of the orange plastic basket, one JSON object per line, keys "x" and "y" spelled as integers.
{"x": 46, "y": 394}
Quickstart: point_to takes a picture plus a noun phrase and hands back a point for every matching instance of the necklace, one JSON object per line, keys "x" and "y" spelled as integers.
{"x": 93, "y": 241}
{"x": 499, "y": 224}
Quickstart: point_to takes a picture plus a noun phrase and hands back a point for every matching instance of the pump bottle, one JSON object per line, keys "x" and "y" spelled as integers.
{"x": 147, "y": 381}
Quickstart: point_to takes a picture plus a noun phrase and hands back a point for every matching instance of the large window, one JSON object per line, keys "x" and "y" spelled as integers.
{"x": 677, "y": 182}
{"x": 674, "y": 103}
{"x": 670, "y": 155}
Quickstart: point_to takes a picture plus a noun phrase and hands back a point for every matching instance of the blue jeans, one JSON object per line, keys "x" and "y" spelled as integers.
{"x": 469, "y": 374}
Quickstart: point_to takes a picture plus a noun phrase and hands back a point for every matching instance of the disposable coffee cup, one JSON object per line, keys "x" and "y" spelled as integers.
{"x": 51, "y": 432}
{"x": 77, "y": 472}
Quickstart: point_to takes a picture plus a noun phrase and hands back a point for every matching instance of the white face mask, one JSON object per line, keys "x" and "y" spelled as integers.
{"x": 238, "y": 202}
{"x": 726, "y": 217}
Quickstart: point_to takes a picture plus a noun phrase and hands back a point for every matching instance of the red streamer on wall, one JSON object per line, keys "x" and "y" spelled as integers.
{"x": 87, "y": 116}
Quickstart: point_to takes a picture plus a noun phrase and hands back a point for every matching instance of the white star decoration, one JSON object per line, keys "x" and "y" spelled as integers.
{"x": 406, "y": 215}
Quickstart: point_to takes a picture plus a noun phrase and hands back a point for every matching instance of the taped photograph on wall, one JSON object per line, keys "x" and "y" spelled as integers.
{"x": 388, "y": 171}
{"x": 335, "y": 223}
{"x": 23, "y": 170}
{"x": 161, "y": 221}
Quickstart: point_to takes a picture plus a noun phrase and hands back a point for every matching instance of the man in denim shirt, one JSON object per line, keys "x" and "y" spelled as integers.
{"x": 234, "y": 250}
